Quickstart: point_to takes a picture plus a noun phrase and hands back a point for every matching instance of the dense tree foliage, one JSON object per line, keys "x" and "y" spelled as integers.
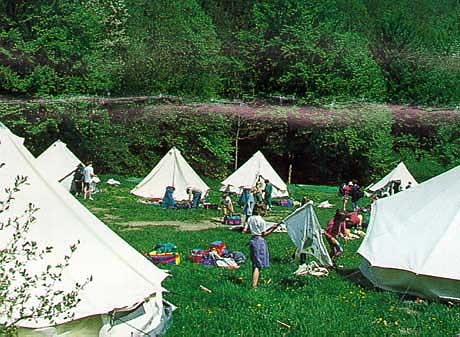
{"x": 324, "y": 145}
{"x": 321, "y": 50}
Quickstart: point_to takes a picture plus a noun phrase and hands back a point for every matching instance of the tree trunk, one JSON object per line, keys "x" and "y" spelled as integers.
{"x": 238, "y": 125}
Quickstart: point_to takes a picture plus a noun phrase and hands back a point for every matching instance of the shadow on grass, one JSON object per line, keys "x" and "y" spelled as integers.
{"x": 355, "y": 276}
{"x": 293, "y": 282}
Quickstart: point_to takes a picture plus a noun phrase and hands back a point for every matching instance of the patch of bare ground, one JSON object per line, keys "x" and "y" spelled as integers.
{"x": 110, "y": 217}
{"x": 120, "y": 197}
{"x": 180, "y": 225}
{"x": 98, "y": 209}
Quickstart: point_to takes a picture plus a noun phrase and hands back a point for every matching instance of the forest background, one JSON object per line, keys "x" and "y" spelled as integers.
{"x": 328, "y": 90}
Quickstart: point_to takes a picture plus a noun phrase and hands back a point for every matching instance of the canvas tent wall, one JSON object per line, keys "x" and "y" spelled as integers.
{"x": 412, "y": 241}
{"x": 305, "y": 232}
{"x": 249, "y": 173}
{"x": 122, "y": 279}
{"x": 400, "y": 172}
{"x": 57, "y": 161}
{"x": 171, "y": 170}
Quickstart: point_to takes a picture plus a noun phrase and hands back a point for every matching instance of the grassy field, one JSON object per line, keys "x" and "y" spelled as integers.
{"x": 342, "y": 304}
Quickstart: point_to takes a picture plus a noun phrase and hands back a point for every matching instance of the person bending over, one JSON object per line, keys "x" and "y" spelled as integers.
{"x": 336, "y": 227}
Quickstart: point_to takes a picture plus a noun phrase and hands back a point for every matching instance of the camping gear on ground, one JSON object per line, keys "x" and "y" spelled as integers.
{"x": 171, "y": 170}
{"x": 249, "y": 173}
{"x": 165, "y": 247}
{"x": 125, "y": 294}
{"x": 164, "y": 258}
{"x": 311, "y": 268}
{"x": 94, "y": 181}
{"x": 239, "y": 257}
{"x": 286, "y": 203}
{"x": 217, "y": 255}
{"x": 399, "y": 173}
{"x": 413, "y": 238}
{"x": 197, "y": 254}
{"x": 113, "y": 182}
{"x": 325, "y": 204}
{"x": 305, "y": 232}
{"x": 59, "y": 163}
{"x": 183, "y": 205}
{"x": 218, "y": 246}
{"x": 232, "y": 219}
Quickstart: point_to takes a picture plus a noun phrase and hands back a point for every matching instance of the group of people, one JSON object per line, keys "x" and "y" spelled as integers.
{"x": 339, "y": 227}
{"x": 350, "y": 191}
{"x": 83, "y": 179}
{"x": 257, "y": 197}
{"x": 194, "y": 197}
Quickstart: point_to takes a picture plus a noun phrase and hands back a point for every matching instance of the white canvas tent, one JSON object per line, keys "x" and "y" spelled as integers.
{"x": 305, "y": 232}
{"x": 57, "y": 161}
{"x": 249, "y": 173}
{"x": 412, "y": 242}
{"x": 400, "y": 172}
{"x": 171, "y": 170}
{"x": 123, "y": 281}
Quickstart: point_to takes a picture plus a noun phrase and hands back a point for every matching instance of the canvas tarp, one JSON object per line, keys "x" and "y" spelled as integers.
{"x": 305, "y": 232}
{"x": 121, "y": 278}
{"x": 248, "y": 174}
{"x": 57, "y": 162}
{"x": 400, "y": 172}
{"x": 171, "y": 170}
{"x": 413, "y": 237}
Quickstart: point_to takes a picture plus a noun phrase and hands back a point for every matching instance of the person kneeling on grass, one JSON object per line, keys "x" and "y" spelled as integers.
{"x": 336, "y": 227}
{"x": 257, "y": 246}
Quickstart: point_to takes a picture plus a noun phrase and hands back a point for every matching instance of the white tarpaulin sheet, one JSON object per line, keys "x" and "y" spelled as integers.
{"x": 305, "y": 232}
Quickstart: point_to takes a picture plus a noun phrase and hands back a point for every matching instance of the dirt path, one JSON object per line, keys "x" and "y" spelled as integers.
{"x": 181, "y": 225}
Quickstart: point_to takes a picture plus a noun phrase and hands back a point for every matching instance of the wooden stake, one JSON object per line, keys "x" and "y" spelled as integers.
{"x": 205, "y": 289}
{"x": 283, "y": 324}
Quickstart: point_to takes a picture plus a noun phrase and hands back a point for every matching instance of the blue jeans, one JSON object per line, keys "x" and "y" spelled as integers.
{"x": 196, "y": 199}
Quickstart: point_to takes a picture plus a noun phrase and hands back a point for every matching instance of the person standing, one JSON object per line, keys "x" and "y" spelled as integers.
{"x": 258, "y": 248}
{"x": 355, "y": 194}
{"x": 268, "y": 194}
{"x": 77, "y": 181}
{"x": 345, "y": 192}
{"x": 168, "y": 198}
{"x": 247, "y": 203}
{"x": 88, "y": 174}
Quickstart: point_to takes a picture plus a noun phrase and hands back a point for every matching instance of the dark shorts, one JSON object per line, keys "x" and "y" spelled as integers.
{"x": 259, "y": 252}
{"x": 86, "y": 185}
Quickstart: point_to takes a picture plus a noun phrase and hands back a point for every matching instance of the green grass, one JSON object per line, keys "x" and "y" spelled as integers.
{"x": 342, "y": 304}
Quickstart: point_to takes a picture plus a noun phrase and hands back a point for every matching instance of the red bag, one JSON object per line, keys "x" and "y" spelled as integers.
{"x": 219, "y": 246}
{"x": 197, "y": 255}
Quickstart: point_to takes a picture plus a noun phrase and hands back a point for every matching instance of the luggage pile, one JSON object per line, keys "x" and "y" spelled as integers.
{"x": 164, "y": 253}
{"x": 217, "y": 255}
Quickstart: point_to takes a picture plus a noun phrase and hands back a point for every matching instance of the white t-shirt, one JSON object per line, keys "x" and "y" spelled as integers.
{"x": 257, "y": 225}
{"x": 88, "y": 173}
